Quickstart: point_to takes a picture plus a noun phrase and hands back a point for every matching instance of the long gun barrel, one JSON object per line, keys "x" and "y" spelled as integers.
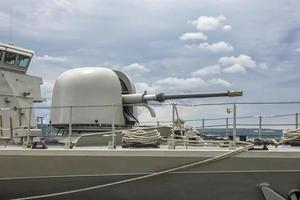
{"x": 161, "y": 97}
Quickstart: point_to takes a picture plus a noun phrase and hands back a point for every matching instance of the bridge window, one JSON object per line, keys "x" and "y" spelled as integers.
{"x": 10, "y": 58}
{"x": 0, "y": 56}
{"x": 23, "y": 61}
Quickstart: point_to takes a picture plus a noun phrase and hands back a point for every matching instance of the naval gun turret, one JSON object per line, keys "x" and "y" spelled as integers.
{"x": 99, "y": 97}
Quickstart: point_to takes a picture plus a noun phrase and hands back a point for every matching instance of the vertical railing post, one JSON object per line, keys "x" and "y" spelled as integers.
{"x": 297, "y": 120}
{"x": 259, "y": 127}
{"x": 112, "y": 143}
{"x": 20, "y": 117}
{"x": 29, "y": 127}
{"x": 226, "y": 130}
{"x": 178, "y": 120}
{"x": 69, "y": 145}
{"x": 171, "y": 143}
{"x": 1, "y": 125}
{"x": 203, "y": 126}
{"x": 234, "y": 125}
{"x": 42, "y": 121}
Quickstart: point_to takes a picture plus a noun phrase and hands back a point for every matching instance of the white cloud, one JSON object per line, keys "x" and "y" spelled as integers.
{"x": 142, "y": 86}
{"x": 263, "y": 66}
{"x": 193, "y": 36}
{"x": 219, "y": 81}
{"x": 47, "y": 88}
{"x": 207, "y": 23}
{"x": 47, "y": 58}
{"x": 227, "y": 28}
{"x": 242, "y": 60}
{"x": 174, "y": 83}
{"x": 218, "y": 47}
{"x": 298, "y": 49}
{"x": 211, "y": 69}
{"x": 135, "y": 67}
{"x": 235, "y": 68}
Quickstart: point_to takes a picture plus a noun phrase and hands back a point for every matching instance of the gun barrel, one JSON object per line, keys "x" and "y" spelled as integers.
{"x": 143, "y": 98}
{"x": 206, "y": 95}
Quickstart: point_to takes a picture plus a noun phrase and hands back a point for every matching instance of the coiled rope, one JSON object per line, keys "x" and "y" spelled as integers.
{"x": 141, "y": 137}
{"x": 290, "y": 135}
{"x": 197, "y": 163}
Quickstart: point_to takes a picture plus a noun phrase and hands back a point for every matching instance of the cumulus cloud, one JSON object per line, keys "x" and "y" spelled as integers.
{"x": 235, "y": 68}
{"x": 193, "y": 36}
{"x": 242, "y": 60}
{"x": 142, "y": 86}
{"x": 226, "y": 28}
{"x": 174, "y": 83}
{"x": 231, "y": 65}
{"x": 211, "y": 69}
{"x": 218, "y": 47}
{"x": 207, "y": 23}
{"x": 171, "y": 84}
{"x": 219, "y": 81}
{"x": 135, "y": 67}
{"x": 240, "y": 64}
{"x": 263, "y": 66}
{"x": 47, "y": 58}
{"x": 47, "y": 88}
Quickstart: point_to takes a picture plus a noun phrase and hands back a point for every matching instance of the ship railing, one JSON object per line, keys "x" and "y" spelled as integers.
{"x": 231, "y": 120}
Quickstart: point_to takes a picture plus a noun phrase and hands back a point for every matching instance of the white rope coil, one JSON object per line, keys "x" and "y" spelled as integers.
{"x": 141, "y": 137}
{"x": 290, "y": 135}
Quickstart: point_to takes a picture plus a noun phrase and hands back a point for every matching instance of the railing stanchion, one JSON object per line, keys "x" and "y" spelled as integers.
{"x": 69, "y": 145}
{"x": 29, "y": 129}
{"x": 297, "y": 122}
{"x": 234, "y": 125}
{"x": 112, "y": 143}
{"x": 171, "y": 144}
{"x": 203, "y": 126}
{"x": 11, "y": 126}
{"x": 1, "y": 125}
{"x": 259, "y": 127}
{"x": 226, "y": 131}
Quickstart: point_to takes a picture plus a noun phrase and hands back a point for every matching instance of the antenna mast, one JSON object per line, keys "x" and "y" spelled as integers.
{"x": 11, "y": 28}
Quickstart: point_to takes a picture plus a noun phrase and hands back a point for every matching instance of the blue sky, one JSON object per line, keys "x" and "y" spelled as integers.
{"x": 171, "y": 46}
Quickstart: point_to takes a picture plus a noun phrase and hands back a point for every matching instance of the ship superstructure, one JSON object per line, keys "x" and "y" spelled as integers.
{"x": 18, "y": 90}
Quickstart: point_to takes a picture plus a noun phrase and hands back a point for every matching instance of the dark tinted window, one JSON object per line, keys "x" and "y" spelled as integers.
{"x": 23, "y": 61}
{"x": 0, "y": 55}
{"x": 10, "y": 58}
